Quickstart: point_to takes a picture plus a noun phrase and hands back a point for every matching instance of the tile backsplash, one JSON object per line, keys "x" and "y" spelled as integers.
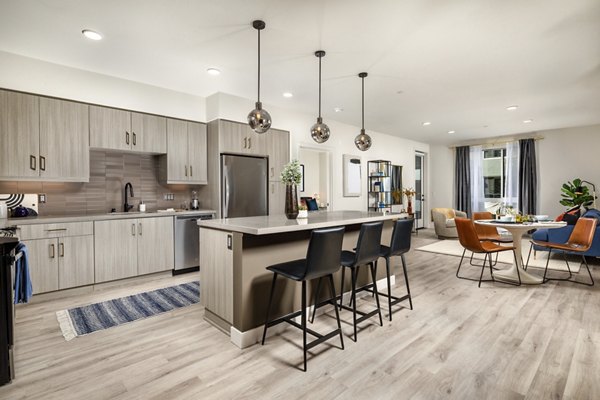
{"x": 109, "y": 172}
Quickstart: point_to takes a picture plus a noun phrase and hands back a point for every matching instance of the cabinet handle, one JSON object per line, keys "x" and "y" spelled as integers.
{"x": 62, "y": 250}
{"x": 249, "y": 143}
{"x": 140, "y": 228}
{"x": 245, "y": 143}
{"x": 191, "y": 171}
{"x": 42, "y": 163}
{"x": 52, "y": 255}
{"x": 32, "y": 162}
{"x": 132, "y": 229}
{"x": 126, "y": 137}
{"x": 272, "y": 188}
{"x": 56, "y": 230}
{"x": 134, "y": 139}
{"x": 186, "y": 170}
{"x": 272, "y": 172}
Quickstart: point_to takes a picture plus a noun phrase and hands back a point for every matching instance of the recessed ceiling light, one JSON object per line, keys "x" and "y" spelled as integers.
{"x": 287, "y": 95}
{"x": 93, "y": 35}
{"x": 213, "y": 71}
{"x": 451, "y": 132}
{"x": 528, "y": 121}
{"x": 427, "y": 123}
{"x": 338, "y": 109}
{"x": 511, "y": 108}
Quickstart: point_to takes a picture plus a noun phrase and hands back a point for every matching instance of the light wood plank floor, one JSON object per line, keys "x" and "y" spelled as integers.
{"x": 460, "y": 342}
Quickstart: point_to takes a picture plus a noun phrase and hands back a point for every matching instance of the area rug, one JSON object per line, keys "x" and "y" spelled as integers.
{"x": 452, "y": 247}
{"x": 84, "y": 320}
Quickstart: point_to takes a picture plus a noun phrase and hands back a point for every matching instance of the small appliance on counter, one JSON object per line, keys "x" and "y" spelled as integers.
{"x": 195, "y": 204}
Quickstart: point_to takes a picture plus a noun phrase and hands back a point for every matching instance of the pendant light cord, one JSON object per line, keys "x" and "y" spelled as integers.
{"x": 363, "y": 103}
{"x": 258, "y": 65}
{"x": 320, "y": 86}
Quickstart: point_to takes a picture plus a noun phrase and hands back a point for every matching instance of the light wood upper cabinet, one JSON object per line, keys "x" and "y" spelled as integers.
{"x": 64, "y": 140}
{"x": 115, "y": 129}
{"x": 19, "y": 135}
{"x": 197, "y": 153}
{"x": 186, "y": 159}
{"x": 155, "y": 245}
{"x": 43, "y": 264}
{"x": 276, "y": 198}
{"x": 75, "y": 261}
{"x": 149, "y": 133}
{"x": 110, "y": 128}
{"x": 278, "y": 143}
{"x": 238, "y": 138}
{"x": 115, "y": 249}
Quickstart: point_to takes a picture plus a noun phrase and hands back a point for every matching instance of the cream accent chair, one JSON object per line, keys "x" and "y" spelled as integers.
{"x": 443, "y": 221}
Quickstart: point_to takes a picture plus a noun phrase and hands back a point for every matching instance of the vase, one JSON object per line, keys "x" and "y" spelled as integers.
{"x": 409, "y": 206}
{"x": 291, "y": 201}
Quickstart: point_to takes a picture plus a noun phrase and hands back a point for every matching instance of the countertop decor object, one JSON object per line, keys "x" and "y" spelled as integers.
{"x": 291, "y": 177}
{"x": 259, "y": 119}
{"x": 320, "y": 131}
{"x": 363, "y": 141}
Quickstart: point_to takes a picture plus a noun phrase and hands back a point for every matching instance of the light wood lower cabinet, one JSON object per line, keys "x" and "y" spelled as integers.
{"x": 75, "y": 261}
{"x": 155, "y": 245}
{"x": 43, "y": 264}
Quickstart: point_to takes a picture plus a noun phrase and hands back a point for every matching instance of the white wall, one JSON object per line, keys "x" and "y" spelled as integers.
{"x": 441, "y": 162}
{"x": 40, "y": 77}
{"x": 386, "y": 147}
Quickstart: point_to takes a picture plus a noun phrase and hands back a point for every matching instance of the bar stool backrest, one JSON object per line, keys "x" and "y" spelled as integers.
{"x": 401, "y": 236}
{"x": 324, "y": 252}
{"x": 583, "y": 234}
{"x": 467, "y": 235}
{"x": 369, "y": 243}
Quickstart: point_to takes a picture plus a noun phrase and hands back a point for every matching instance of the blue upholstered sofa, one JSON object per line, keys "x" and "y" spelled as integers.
{"x": 561, "y": 235}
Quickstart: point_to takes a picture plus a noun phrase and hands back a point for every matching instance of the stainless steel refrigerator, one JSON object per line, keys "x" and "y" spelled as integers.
{"x": 244, "y": 191}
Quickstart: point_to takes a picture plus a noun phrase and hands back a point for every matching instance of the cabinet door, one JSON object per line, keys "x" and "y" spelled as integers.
{"x": 278, "y": 143}
{"x": 75, "y": 261}
{"x": 110, "y": 128}
{"x": 43, "y": 264}
{"x": 19, "y": 135}
{"x": 148, "y": 133}
{"x": 155, "y": 245}
{"x": 257, "y": 142}
{"x": 197, "y": 154}
{"x": 276, "y": 198}
{"x": 177, "y": 150}
{"x": 115, "y": 249}
{"x": 232, "y": 137}
{"x": 64, "y": 140}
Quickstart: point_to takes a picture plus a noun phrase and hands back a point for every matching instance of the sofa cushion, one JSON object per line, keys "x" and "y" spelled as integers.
{"x": 450, "y": 223}
{"x": 592, "y": 213}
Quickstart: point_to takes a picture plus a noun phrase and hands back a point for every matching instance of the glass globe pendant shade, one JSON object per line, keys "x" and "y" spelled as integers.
{"x": 363, "y": 141}
{"x": 259, "y": 119}
{"x": 320, "y": 131}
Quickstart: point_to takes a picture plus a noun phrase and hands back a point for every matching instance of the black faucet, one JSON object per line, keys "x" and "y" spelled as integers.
{"x": 126, "y": 206}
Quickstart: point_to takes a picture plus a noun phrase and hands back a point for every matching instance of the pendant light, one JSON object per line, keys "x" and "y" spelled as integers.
{"x": 320, "y": 131}
{"x": 363, "y": 141}
{"x": 259, "y": 119}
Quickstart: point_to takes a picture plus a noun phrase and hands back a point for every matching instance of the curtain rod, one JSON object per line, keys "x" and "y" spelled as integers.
{"x": 496, "y": 142}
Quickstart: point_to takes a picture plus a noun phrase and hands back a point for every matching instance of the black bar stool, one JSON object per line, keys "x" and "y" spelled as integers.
{"x": 367, "y": 253}
{"x": 322, "y": 260}
{"x": 399, "y": 245}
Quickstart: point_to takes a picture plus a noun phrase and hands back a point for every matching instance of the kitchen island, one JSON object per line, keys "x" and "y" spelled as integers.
{"x": 235, "y": 252}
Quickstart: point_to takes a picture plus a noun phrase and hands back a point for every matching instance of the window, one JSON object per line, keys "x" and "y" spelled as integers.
{"x": 494, "y": 173}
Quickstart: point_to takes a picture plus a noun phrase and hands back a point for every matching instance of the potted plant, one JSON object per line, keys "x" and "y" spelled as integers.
{"x": 302, "y": 211}
{"x": 397, "y": 195}
{"x": 409, "y": 193}
{"x": 575, "y": 194}
{"x": 290, "y": 176}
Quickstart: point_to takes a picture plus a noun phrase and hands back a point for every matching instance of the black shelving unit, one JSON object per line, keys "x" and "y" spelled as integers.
{"x": 379, "y": 185}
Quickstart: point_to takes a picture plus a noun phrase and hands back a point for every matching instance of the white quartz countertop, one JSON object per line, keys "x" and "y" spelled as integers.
{"x": 49, "y": 219}
{"x": 270, "y": 224}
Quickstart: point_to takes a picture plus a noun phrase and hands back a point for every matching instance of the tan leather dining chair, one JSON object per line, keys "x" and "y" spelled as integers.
{"x": 468, "y": 238}
{"x": 486, "y": 232}
{"x": 579, "y": 242}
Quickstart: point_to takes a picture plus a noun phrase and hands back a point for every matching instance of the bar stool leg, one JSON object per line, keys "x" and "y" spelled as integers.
{"x": 304, "y": 321}
{"x": 374, "y": 277}
{"x": 337, "y": 314}
{"x": 316, "y": 298}
{"x": 406, "y": 280}
{"x": 356, "y": 271}
{"x": 269, "y": 308}
{"x": 342, "y": 287}
{"x": 389, "y": 285}
{"x": 353, "y": 299}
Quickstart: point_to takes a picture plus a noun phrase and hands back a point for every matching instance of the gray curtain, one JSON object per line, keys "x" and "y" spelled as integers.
{"x": 462, "y": 179}
{"x": 527, "y": 177}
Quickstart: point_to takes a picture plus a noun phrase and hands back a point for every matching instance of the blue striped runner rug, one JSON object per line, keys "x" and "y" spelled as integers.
{"x": 84, "y": 320}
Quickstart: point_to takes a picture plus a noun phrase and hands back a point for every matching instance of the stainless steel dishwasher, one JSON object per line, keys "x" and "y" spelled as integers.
{"x": 187, "y": 244}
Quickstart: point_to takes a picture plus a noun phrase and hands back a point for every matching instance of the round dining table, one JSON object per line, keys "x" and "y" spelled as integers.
{"x": 518, "y": 229}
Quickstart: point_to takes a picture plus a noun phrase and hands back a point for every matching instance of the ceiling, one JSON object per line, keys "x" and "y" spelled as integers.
{"x": 457, "y": 64}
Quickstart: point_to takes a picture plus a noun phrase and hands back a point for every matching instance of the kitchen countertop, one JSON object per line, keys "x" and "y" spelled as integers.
{"x": 269, "y": 224}
{"x": 50, "y": 219}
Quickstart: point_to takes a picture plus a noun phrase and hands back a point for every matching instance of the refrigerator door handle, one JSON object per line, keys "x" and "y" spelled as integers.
{"x": 226, "y": 190}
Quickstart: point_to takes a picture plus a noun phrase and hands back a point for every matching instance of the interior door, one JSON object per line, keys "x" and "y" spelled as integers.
{"x": 419, "y": 190}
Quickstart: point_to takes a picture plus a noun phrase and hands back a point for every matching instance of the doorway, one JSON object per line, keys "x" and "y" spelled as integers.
{"x": 316, "y": 175}
{"x": 419, "y": 190}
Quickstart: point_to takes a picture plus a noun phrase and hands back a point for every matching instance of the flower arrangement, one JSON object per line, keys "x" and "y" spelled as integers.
{"x": 409, "y": 192}
{"x": 290, "y": 174}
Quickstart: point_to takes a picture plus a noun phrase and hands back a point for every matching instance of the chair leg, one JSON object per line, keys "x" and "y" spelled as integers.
{"x": 568, "y": 266}
{"x": 269, "y": 308}
{"x": 353, "y": 300}
{"x": 342, "y": 287}
{"x": 316, "y": 299}
{"x": 304, "y": 322}
{"x": 460, "y": 263}
{"x": 482, "y": 268}
{"x": 491, "y": 266}
{"x": 374, "y": 277}
{"x": 546, "y": 269}
{"x": 528, "y": 255}
{"x": 406, "y": 280}
{"x": 589, "y": 273}
{"x": 337, "y": 314}
{"x": 389, "y": 285}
